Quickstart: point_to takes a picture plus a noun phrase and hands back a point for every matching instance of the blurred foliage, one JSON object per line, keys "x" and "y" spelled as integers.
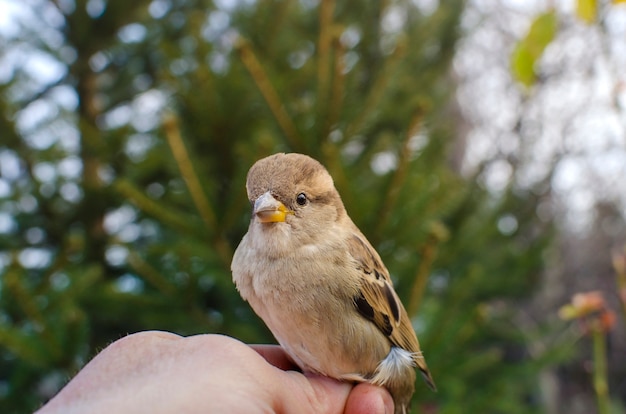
{"x": 543, "y": 30}
{"x": 122, "y": 183}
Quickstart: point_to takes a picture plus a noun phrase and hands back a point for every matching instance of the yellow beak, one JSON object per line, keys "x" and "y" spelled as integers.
{"x": 269, "y": 210}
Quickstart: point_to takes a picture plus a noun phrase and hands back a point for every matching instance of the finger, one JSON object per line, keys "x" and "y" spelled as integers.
{"x": 325, "y": 395}
{"x": 369, "y": 399}
{"x": 276, "y": 356}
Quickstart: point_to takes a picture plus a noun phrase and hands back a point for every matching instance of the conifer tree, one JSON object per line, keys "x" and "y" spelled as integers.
{"x": 123, "y": 179}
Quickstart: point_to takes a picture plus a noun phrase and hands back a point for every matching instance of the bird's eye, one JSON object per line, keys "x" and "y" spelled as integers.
{"x": 301, "y": 199}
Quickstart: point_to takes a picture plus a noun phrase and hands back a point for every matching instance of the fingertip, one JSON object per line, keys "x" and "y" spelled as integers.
{"x": 369, "y": 399}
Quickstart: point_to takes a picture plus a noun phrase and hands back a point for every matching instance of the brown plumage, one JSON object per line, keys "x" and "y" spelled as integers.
{"x": 319, "y": 285}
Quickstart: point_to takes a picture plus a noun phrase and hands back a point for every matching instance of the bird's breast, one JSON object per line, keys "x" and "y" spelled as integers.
{"x": 305, "y": 295}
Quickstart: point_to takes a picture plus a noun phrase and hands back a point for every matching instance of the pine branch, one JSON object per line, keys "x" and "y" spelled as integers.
{"x": 324, "y": 53}
{"x": 151, "y": 275}
{"x": 26, "y": 301}
{"x": 185, "y": 165}
{"x": 22, "y": 347}
{"x": 280, "y": 14}
{"x": 427, "y": 256}
{"x": 438, "y": 234}
{"x": 267, "y": 89}
{"x": 338, "y": 86}
{"x": 149, "y": 206}
{"x": 376, "y": 92}
{"x": 398, "y": 178}
{"x": 331, "y": 150}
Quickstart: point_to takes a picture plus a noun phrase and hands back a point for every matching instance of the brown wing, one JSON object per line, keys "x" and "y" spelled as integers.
{"x": 378, "y": 302}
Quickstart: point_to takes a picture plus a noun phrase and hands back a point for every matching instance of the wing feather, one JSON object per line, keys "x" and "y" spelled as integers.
{"x": 378, "y": 302}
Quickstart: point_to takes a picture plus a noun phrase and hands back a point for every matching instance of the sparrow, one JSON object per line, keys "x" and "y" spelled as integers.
{"x": 319, "y": 285}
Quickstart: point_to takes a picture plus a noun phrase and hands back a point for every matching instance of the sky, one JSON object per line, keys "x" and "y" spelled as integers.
{"x": 575, "y": 122}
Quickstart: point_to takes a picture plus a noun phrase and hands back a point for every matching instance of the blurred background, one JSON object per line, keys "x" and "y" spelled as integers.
{"x": 479, "y": 145}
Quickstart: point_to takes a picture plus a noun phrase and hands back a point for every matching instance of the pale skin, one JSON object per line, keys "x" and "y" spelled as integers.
{"x": 159, "y": 372}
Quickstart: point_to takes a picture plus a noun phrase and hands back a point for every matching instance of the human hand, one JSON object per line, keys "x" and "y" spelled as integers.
{"x": 159, "y": 372}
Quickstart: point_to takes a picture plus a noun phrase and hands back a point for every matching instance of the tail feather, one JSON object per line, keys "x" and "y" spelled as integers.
{"x": 428, "y": 378}
{"x": 421, "y": 365}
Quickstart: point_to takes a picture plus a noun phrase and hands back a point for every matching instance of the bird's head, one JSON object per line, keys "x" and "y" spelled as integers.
{"x": 293, "y": 190}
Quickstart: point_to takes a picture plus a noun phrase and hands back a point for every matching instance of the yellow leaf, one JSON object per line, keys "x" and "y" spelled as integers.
{"x": 529, "y": 49}
{"x": 523, "y": 65}
{"x": 587, "y": 10}
{"x": 619, "y": 1}
{"x": 568, "y": 312}
{"x": 541, "y": 33}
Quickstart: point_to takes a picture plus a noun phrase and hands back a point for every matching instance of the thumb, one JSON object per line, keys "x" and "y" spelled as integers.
{"x": 324, "y": 395}
{"x": 369, "y": 399}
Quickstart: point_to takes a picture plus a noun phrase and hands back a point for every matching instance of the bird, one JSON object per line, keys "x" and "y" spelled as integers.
{"x": 318, "y": 284}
